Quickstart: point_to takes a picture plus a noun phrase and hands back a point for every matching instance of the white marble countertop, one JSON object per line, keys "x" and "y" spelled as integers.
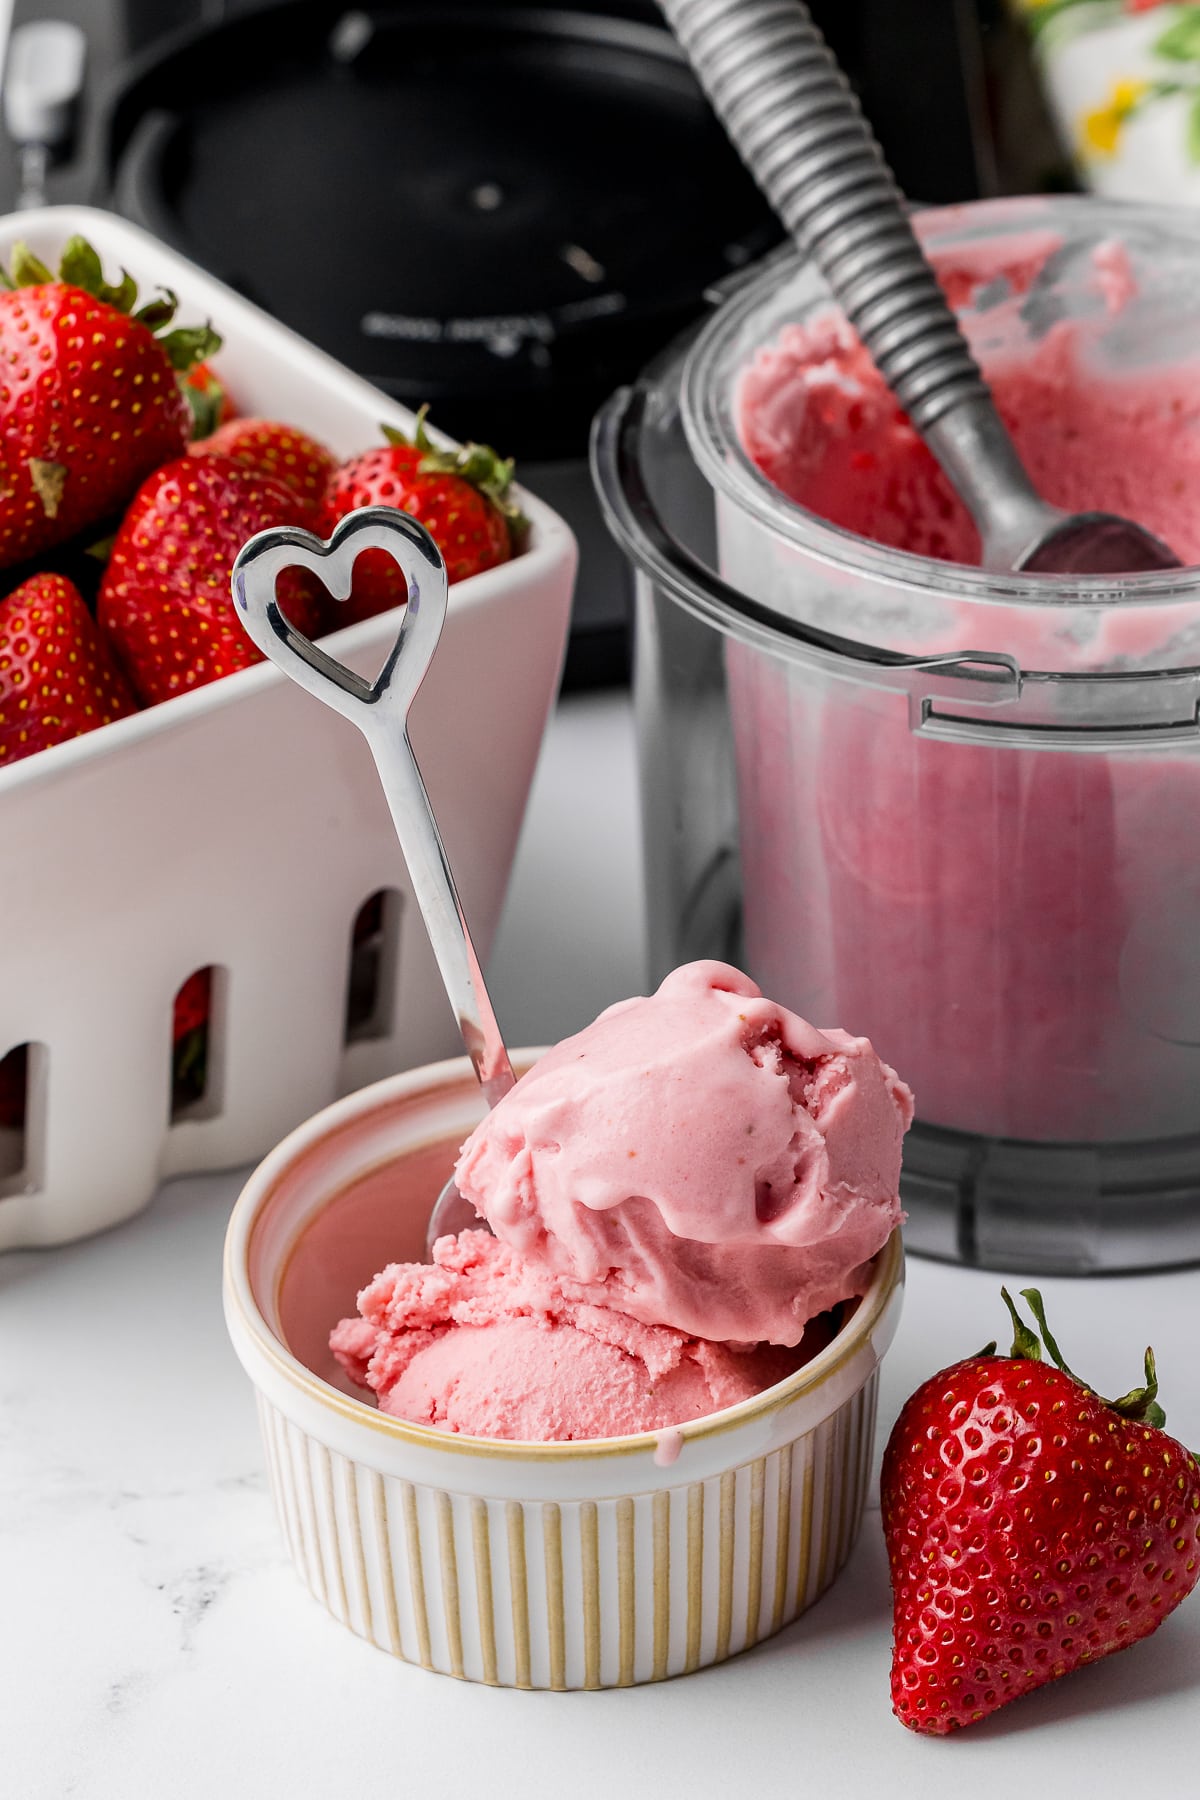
{"x": 155, "y": 1642}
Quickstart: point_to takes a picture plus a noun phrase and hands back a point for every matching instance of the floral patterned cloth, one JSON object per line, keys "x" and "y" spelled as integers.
{"x": 1123, "y": 79}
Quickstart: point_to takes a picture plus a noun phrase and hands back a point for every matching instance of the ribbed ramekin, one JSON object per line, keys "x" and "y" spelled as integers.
{"x": 585, "y": 1565}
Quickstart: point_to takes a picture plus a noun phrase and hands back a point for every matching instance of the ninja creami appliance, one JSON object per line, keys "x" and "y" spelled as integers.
{"x": 949, "y": 810}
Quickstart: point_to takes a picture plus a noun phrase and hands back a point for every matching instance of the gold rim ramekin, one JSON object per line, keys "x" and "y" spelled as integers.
{"x": 581, "y": 1565}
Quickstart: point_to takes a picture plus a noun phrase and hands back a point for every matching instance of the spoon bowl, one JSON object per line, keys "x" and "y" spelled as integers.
{"x": 1096, "y": 544}
{"x": 452, "y": 1213}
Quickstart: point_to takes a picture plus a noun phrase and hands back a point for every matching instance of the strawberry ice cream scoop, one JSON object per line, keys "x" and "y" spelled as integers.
{"x": 700, "y": 1159}
{"x": 480, "y": 1341}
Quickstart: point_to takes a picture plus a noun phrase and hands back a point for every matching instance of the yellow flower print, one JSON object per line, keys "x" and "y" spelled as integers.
{"x": 1100, "y": 132}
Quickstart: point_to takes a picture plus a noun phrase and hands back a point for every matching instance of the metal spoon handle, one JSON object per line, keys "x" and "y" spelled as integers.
{"x": 774, "y": 84}
{"x": 441, "y": 908}
{"x": 380, "y": 711}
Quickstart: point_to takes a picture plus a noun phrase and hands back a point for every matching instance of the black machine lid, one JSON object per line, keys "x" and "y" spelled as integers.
{"x": 501, "y": 211}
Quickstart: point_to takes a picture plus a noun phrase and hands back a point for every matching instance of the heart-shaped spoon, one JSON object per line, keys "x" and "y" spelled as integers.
{"x": 380, "y": 711}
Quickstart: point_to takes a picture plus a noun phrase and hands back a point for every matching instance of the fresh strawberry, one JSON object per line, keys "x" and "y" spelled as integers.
{"x": 89, "y": 401}
{"x": 57, "y": 679}
{"x": 192, "y": 1004}
{"x": 14, "y": 1081}
{"x": 208, "y": 400}
{"x": 279, "y": 450}
{"x": 189, "y": 1038}
{"x": 461, "y": 497}
{"x": 1031, "y": 1527}
{"x": 164, "y": 602}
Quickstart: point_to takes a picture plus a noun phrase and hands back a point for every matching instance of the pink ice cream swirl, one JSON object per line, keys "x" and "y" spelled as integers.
{"x": 700, "y": 1159}
{"x": 479, "y": 1341}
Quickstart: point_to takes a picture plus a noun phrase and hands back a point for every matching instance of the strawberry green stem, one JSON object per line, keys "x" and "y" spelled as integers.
{"x": 1025, "y": 1343}
{"x": 477, "y": 463}
{"x": 80, "y": 266}
{"x": 1140, "y": 1404}
{"x": 420, "y": 439}
{"x": 1037, "y": 1308}
{"x": 28, "y": 270}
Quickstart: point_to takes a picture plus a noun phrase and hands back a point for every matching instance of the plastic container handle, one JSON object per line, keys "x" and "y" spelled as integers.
{"x": 380, "y": 710}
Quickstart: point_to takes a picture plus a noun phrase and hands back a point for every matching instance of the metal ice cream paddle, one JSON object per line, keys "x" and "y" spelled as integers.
{"x": 790, "y": 112}
{"x": 380, "y": 711}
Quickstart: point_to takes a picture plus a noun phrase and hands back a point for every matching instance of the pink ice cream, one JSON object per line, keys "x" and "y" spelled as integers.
{"x": 817, "y": 419}
{"x": 700, "y": 1159}
{"x": 485, "y": 1342}
{"x": 681, "y": 1194}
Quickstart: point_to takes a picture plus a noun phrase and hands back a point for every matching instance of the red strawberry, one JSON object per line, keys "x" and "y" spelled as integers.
{"x": 192, "y": 1004}
{"x": 189, "y": 1038}
{"x": 57, "y": 679}
{"x": 279, "y": 450}
{"x": 208, "y": 400}
{"x": 14, "y": 1081}
{"x": 164, "y": 601}
{"x": 460, "y": 496}
{"x": 1031, "y": 1527}
{"x": 89, "y": 401}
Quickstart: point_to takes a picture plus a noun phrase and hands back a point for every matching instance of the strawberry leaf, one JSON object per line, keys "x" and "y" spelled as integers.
{"x": 190, "y": 344}
{"x": 80, "y": 265}
{"x": 1141, "y": 1404}
{"x": 1038, "y": 1310}
{"x": 420, "y": 439}
{"x": 27, "y": 269}
{"x": 122, "y": 296}
{"x": 1025, "y": 1343}
{"x": 158, "y": 312}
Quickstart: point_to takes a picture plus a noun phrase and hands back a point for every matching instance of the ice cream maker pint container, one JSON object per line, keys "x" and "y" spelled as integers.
{"x": 951, "y": 810}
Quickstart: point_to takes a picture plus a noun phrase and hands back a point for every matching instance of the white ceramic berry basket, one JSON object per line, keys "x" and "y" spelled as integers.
{"x": 239, "y": 827}
{"x": 587, "y": 1565}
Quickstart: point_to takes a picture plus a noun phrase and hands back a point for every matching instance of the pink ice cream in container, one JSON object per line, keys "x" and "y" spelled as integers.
{"x": 951, "y": 807}
{"x": 614, "y": 1422}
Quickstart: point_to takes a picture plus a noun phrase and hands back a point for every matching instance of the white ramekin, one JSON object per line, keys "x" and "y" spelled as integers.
{"x": 584, "y": 1565}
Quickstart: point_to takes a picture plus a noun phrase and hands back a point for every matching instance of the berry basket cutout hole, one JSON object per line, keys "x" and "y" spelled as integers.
{"x": 197, "y": 1039}
{"x": 371, "y": 978}
{"x": 23, "y": 1072}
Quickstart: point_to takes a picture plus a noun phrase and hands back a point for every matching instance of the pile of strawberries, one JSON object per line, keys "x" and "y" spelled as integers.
{"x": 121, "y": 460}
{"x": 127, "y": 487}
